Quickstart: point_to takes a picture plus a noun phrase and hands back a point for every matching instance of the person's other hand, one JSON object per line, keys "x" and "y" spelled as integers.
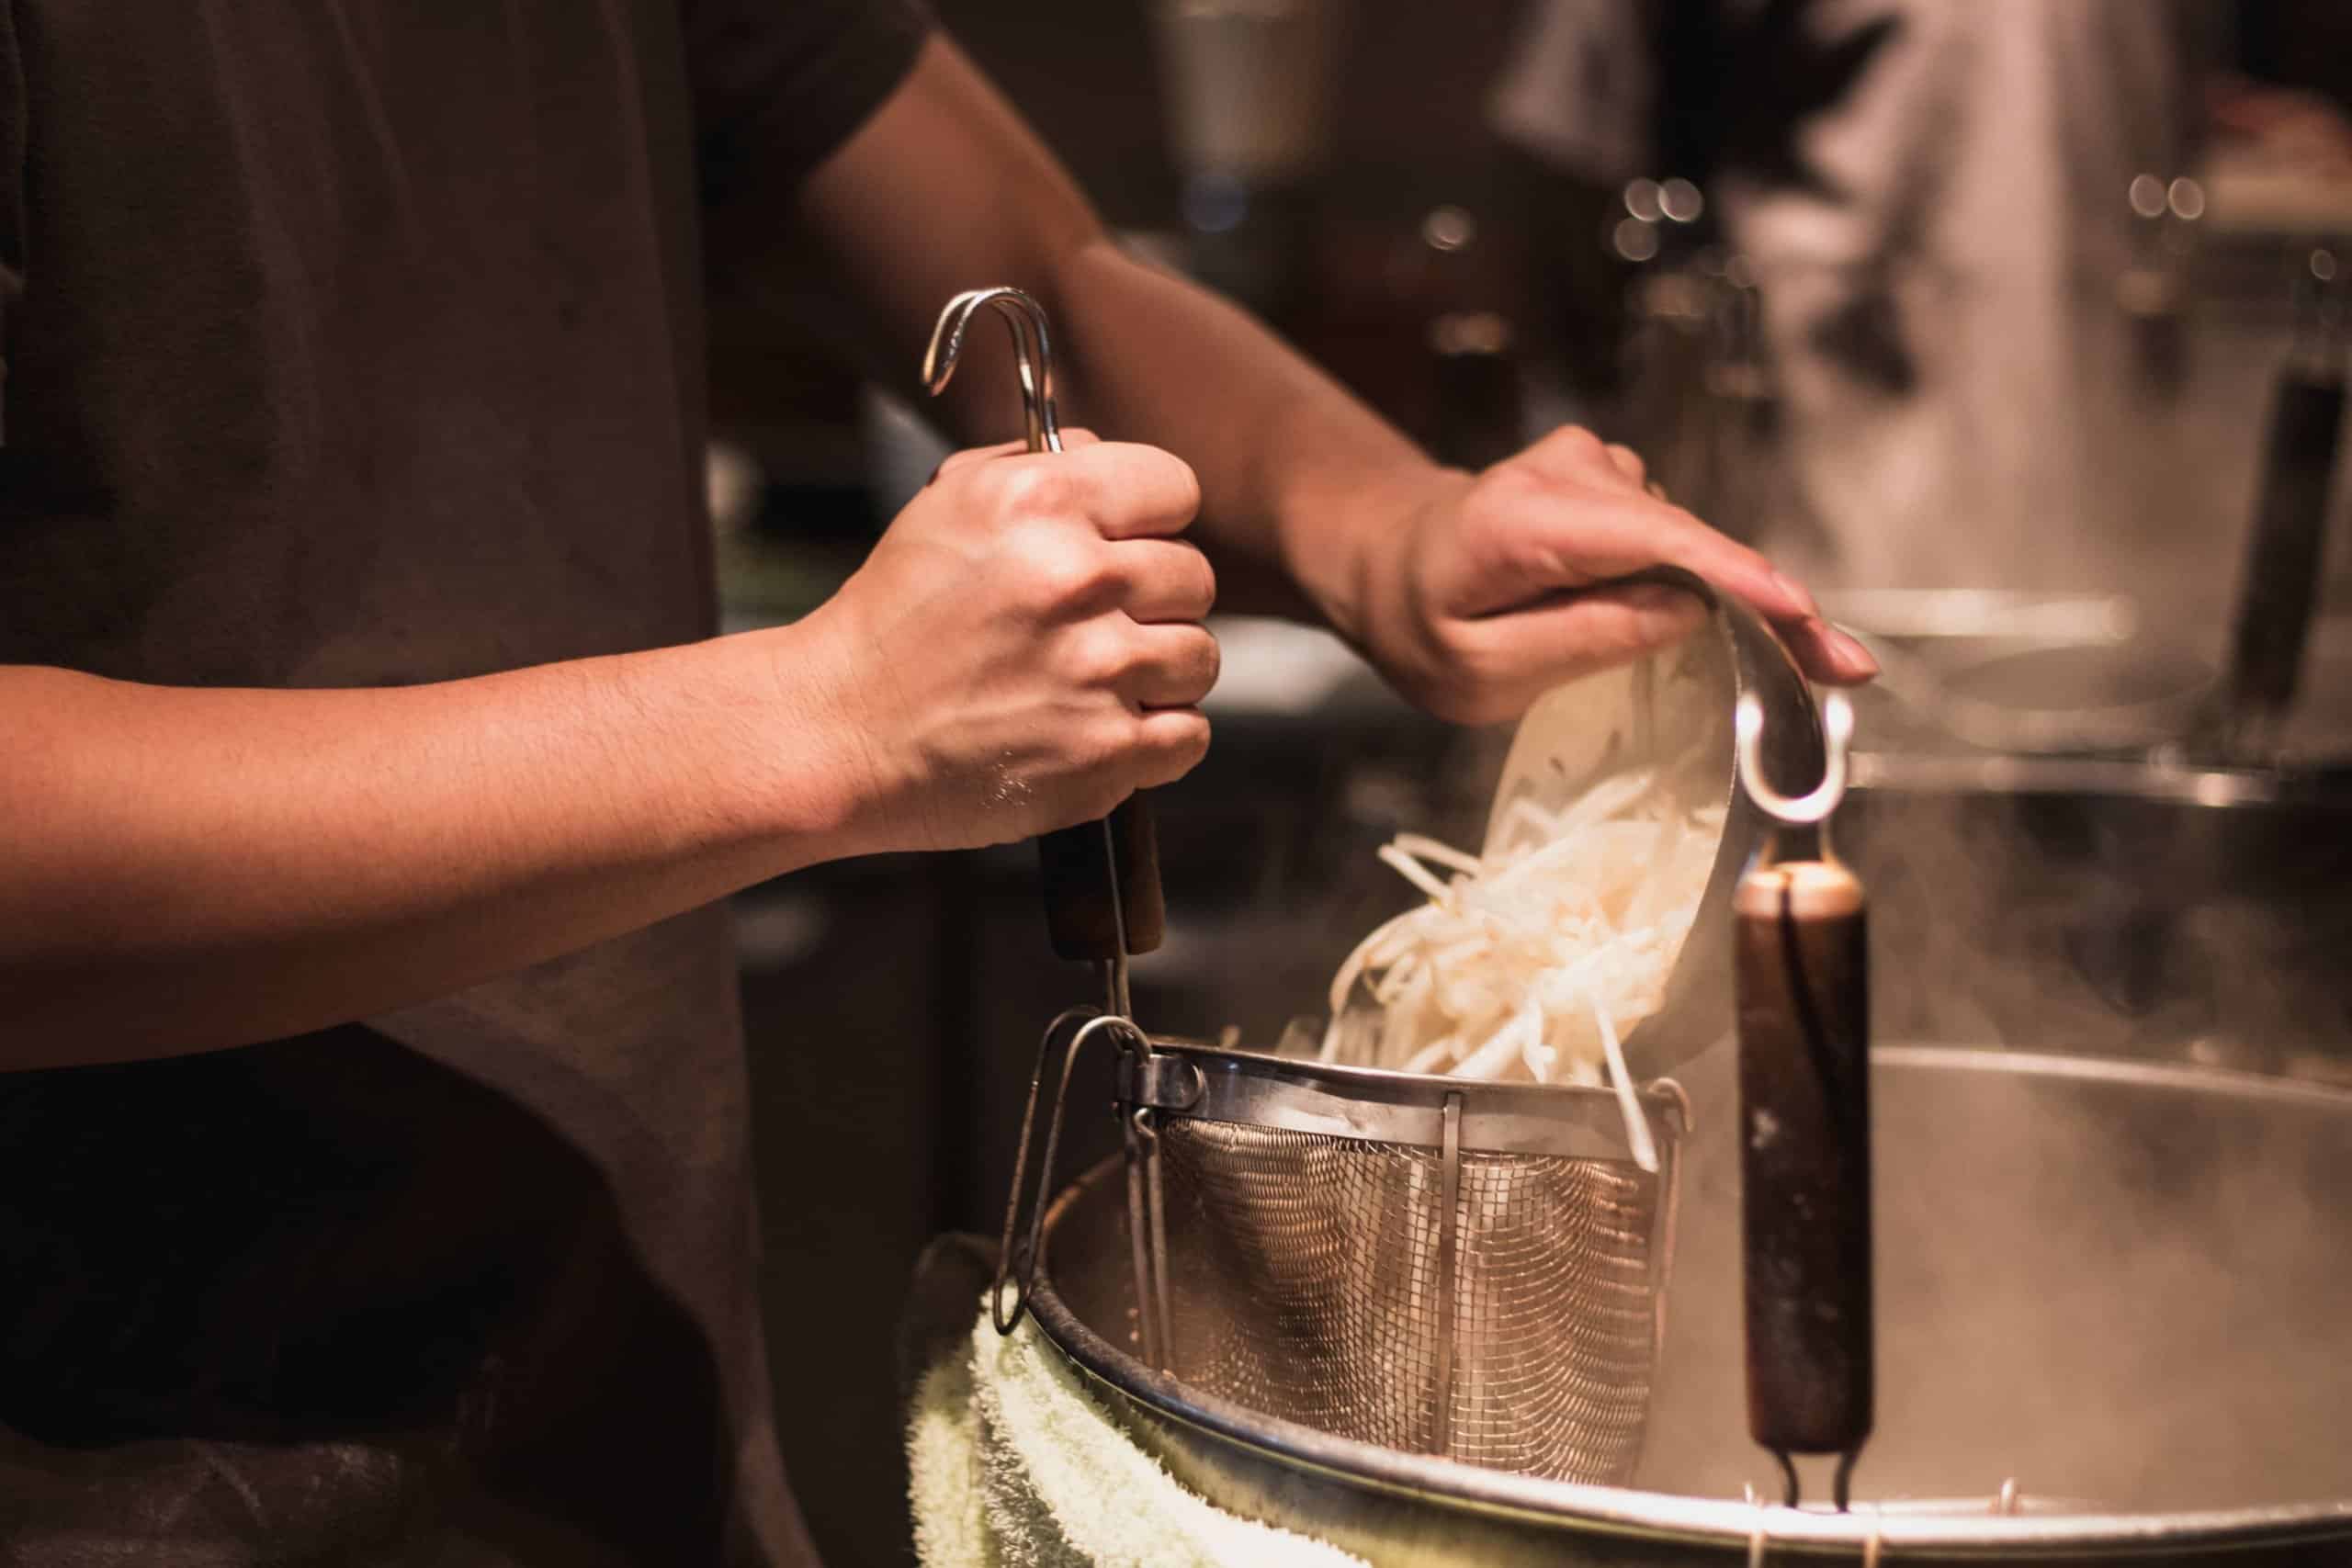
{"x": 1023, "y": 648}
{"x": 1486, "y": 597}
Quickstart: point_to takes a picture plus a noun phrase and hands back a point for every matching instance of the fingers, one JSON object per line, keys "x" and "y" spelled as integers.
{"x": 1169, "y": 743}
{"x": 1630, "y": 528}
{"x": 1822, "y": 650}
{"x": 1522, "y": 655}
{"x": 1629, "y": 463}
{"x": 1575, "y": 455}
{"x": 1165, "y": 580}
{"x": 1829, "y": 654}
{"x": 1168, "y": 667}
{"x": 1537, "y": 549}
{"x": 1134, "y": 492}
{"x": 1117, "y": 489}
{"x": 1073, "y": 438}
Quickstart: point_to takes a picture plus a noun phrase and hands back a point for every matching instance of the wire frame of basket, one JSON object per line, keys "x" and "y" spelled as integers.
{"x": 1470, "y": 1269}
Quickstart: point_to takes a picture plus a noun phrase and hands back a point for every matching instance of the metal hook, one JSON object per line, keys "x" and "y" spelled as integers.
{"x": 1147, "y": 1230}
{"x": 1033, "y": 355}
{"x": 1838, "y": 729}
{"x": 1019, "y": 1267}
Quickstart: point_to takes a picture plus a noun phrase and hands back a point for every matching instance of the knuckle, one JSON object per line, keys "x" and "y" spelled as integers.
{"x": 1063, "y": 573}
{"x": 1026, "y": 489}
{"x": 1096, "y": 655}
{"x": 1574, "y": 441}
{"x": 1112, "y": 748}
{"x": 1493, "y": 532}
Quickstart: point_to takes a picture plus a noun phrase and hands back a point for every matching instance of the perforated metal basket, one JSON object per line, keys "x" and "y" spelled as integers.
{"x": 1468, "y": 1270}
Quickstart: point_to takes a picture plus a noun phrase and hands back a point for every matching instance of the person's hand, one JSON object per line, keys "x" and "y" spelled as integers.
{"x": 1022, "y": 649}
{"x": 1486, "y": 596}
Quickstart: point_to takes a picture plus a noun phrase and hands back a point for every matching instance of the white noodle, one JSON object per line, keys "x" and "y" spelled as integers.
{"x": 1414, "y": 872}
{"x": 1437, "y": 1054}
{"x": 1637, "y": 1127}
{"x": 1532, "y": 961}
{"x": 1422, "y": 847}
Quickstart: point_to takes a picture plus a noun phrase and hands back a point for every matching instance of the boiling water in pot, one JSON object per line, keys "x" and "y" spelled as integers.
{"x": 2119, "y": 1287}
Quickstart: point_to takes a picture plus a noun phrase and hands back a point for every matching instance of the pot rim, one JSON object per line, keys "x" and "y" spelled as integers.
{"x": 1716, "y": 1522}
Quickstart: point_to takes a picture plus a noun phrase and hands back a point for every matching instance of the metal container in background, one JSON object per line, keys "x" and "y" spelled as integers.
{"x": 2142, "y": 908}
{"x": 1248, "y": 88}
{"x": 1247, "y": 85}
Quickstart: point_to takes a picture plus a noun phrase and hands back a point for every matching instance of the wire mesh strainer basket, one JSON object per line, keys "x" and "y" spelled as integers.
{"x": 1470, "y": 1269}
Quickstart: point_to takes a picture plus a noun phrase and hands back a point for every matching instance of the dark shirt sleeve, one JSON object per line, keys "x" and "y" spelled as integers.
{"x": 779, "y": 85}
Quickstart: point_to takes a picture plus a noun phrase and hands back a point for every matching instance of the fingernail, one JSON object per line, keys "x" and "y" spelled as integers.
{"x": 1795, "y": 592}
{"x": 1850, "y": 651}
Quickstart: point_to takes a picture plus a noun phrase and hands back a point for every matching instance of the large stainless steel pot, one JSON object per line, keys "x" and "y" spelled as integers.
{"x": 2124, "y": 906}
{"x": 2113, "y": 1290}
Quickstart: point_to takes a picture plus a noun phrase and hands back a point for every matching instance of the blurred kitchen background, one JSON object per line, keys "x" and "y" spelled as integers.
{"x": 2017, "y": 326}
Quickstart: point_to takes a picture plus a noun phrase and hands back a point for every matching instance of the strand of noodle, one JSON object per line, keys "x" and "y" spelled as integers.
{"x": 1606, "y": 800}
{"x": 1489, "y": 1059}
{"x": 1524, "y": 813}
{"x": 1422, "y": 847}
{"x": 1414, "y": 872}
{"x": 1368, "y": 953}
{"x": 1434, "y": 1055}
{"x": 1395, "y": 1038}
{"x": 1391, "y": 986}
{"x": 1538, "y": 1056}
{"x": 1637, "y": 1127}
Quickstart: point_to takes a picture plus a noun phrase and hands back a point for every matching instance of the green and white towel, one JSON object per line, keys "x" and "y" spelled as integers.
{"x": 1014, "y": 1465}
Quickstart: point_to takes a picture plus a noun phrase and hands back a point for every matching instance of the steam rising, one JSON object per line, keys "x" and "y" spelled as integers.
{"x": 2124, "y": 1294}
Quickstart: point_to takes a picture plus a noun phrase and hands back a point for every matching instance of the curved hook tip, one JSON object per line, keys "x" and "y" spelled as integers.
{"x": 1837, "y": 731}
{"x": 1747, "y": 719}
{"x": 1030, "y": 345}
{"x": 946, "y": 342}
{"x": 1838, "y": 721}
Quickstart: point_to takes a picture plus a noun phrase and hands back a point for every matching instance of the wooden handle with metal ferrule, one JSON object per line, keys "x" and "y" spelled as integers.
{"x": 1804, "y": 987}
{"x": 1078, "y": 876}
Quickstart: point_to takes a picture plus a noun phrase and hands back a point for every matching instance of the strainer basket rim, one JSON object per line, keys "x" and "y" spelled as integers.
{"x": 1260, "y": 1088}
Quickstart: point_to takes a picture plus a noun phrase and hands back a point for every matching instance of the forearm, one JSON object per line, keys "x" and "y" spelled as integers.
{"x": 948, "y": 190}
{"x": 1286, "y": 456}
{"x": 1472, "y": 595}
{"x": 189, "y": 869}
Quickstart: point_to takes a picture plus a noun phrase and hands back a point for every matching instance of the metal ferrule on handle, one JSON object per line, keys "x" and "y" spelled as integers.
{"x": 1801, "y": 961}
